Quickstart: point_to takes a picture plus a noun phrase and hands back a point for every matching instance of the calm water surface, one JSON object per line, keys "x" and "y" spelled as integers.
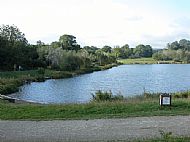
{"x": 129, "y": 80}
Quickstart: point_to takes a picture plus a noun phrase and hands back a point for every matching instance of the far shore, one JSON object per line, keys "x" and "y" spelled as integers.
{"x": 12, "y": 80}
{"x": 147, "y": 61}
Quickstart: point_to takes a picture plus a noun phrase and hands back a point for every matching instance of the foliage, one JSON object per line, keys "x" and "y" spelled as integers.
{"x": 12, "y": 34}
{"x": 165, "y": 135}
{"x": 90, "y": 49}
{"x": 106, "y": 49}
{"x": 176, "y": 51}
{"x": 184, "y": 94}
{"x": 15, "y": 51}
{"x": 123, "y": 52}
{"x": 41, "y": 71}
{"x": 68, "y": 42}
{"x": 143, "y": 51}
{"x": 106, "y": 96}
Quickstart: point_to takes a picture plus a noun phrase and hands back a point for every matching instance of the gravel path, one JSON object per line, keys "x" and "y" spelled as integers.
{"x": 93, "y": 130}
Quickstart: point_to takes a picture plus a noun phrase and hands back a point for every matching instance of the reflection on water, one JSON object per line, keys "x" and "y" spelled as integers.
{"x": 127, "y": 79}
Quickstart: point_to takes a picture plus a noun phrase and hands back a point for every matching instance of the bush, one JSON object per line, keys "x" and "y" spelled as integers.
{"x": 7, "y": 89}
{"x": 106, "y": 96}
{"x": 8, "y": 86}
{"x": 41, "y": 71}
{"x": 182, "y": 94}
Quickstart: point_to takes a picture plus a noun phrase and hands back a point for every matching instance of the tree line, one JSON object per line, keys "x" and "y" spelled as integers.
{"x": 176, "y": 51}
{"x": 66, "y": 54}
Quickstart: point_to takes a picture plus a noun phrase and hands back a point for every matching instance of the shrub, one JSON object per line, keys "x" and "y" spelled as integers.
{"x": 182, "y": 94}
{"x": 41, "y": 71}
{"x": 106, "y": 96}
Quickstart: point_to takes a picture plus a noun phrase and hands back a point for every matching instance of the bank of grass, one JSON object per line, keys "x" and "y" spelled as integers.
{"x": 128, "y": 107}
{"x": 146, "y": 61}
{"x": 138, "y": 61}
{"x": 10, "y": 81}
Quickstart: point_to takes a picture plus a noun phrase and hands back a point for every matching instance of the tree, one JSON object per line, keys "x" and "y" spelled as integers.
{"x": 40, "y": 43}
{"x": 55, "y": 44}
{"x": 117, "y": 51}
{"x": 143, "y": 51}
{"x": 68, "y": 42}
{"x": 126, "y": 52}
{"x": 15, "y": 50}
{"x": 12, "y": 34}
{"x": 185, "y": 44}
{"x": 90, "y": 49}
{"x": 173, "y": 46}
{"x": 106, "y": 49}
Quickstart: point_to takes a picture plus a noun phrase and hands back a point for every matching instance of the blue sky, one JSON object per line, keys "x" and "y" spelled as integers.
{"x": 100, "y": 22}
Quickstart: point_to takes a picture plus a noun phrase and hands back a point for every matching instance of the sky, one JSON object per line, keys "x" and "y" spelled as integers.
{"x": 100, "y": 22}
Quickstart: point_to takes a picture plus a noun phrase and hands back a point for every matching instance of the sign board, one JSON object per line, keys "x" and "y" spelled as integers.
{"x": 165, "y": 99}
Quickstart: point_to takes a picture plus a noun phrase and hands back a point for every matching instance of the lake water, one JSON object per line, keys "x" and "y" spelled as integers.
{"x": 129, "y": 80}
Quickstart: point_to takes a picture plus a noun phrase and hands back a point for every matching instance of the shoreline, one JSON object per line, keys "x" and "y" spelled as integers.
{"x": 144, "y": 61}
{"x": 11, "y": 84}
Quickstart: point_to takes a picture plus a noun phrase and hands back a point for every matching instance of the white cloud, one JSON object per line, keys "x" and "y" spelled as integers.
{"x": 93, "y": 22}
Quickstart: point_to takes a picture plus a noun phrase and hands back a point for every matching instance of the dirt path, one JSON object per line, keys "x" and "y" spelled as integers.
{"x": 93, "y": 130}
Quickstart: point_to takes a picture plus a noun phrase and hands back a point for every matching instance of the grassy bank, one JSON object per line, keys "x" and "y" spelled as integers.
{"x": 144, "y": 61}
{"x": 10, "y": 81}
{"x": 138, "y": 61}
{"x": 130, "y": 107}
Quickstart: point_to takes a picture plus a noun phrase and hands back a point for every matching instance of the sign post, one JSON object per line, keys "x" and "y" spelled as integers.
{"x": 165, "y": 100}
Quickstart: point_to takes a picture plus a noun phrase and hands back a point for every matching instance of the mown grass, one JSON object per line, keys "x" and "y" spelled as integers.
{"x": 138, "y": 61}
{"x": 93, "y": 110}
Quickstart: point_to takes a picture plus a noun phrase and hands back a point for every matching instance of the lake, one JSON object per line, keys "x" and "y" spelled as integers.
{"x": 129, "y": 80}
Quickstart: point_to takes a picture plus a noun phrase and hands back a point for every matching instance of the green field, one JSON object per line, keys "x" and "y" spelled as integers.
{"x": 138, "y": 61}
{"x": 145, "y": 61}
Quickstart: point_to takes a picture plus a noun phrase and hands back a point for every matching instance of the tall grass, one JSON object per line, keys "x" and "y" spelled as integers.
{"x": 106, "y": 96}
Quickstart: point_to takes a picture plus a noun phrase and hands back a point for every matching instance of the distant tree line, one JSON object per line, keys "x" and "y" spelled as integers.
{"x": 176, "y": 51}
{"x": 66, "y": 54}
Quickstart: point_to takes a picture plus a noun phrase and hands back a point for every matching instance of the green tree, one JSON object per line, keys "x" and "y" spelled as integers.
{"x": 143, "y": 51}
{"x": 106, "y": 49}
{"x": 55, "y": 44}
{"x": 117, "y": 52}
{"x": 12, "y": 34}
{"x": 91, "y": 49}
{"x": 68, "y": 42}
{"x": 15, "y": 50}
{"x": 126, "y": 52}
{"x": 174, "y": 46}
{"x": 185, "y": 44}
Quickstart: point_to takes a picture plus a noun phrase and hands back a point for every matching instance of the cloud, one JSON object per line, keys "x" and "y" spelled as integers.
{"x": 97, "y": 22}
{"x": 134, "y": 18}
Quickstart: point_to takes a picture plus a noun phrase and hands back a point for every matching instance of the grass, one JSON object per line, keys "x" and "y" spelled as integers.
{"x": 132, "y": 107}
{"x": 138, "y": 61}
{"x": 145, "y": 61}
